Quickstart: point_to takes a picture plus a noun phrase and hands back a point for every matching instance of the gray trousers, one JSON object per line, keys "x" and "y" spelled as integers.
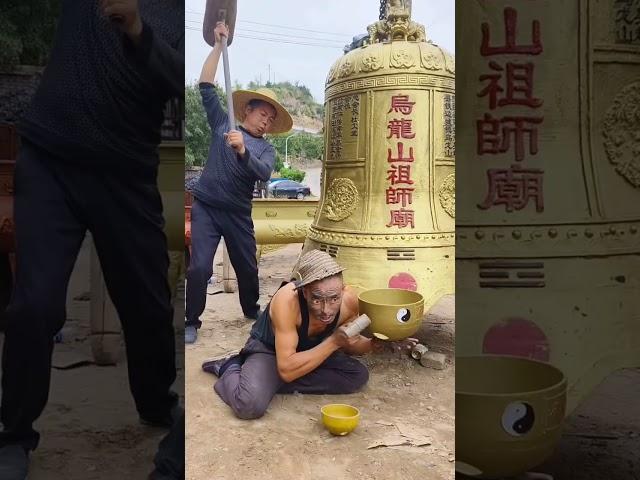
{"x": 248, "y": 389}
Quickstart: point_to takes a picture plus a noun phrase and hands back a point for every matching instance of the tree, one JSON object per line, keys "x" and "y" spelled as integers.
{"x": 303, "y": 145}
{"x": 27, "y": 28}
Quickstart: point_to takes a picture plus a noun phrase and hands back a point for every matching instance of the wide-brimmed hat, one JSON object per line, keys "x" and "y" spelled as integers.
{"x": 283, "y": 121}
{"x": 316, "y": 265}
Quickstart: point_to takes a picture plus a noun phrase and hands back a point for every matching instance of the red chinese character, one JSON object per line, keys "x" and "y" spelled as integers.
{"x": 400, "y": 174}
{"x": 401, "y": 218}
{"x": 401, "y": 104}
{"x": 400, "y": 157}
{"x": 400, "y": 195}
{"x": 519, "y": 80}
{"x": 400, "y": 128}
{"x": 492, "y": 139}
{"x": 510, "y": 47}
{"x": 514, "y": 187}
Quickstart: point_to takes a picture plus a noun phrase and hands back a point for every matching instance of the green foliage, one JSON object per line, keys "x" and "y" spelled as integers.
{"x": 197, "y": 131}
{"x": 302, "y": 145}
{"x": 27, "y": 28}
{"x": 279, "y": 163}
{"x": 292, "y": 174}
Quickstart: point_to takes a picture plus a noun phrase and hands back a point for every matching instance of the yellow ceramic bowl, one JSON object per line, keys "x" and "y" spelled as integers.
{"x": 394, "y": 312}
{"x": 340, "y": 419}
{"x": 509, "y": 414}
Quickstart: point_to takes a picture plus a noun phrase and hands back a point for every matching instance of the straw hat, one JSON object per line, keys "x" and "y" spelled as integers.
{"x": 241, "y": 98}
{"x": 316, "y": 265}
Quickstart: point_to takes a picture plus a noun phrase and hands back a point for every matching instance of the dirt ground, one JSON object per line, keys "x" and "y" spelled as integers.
{"x": 289, "y": 442}
{"x": 602, "y": 437}
{"x": 90, "y": 428}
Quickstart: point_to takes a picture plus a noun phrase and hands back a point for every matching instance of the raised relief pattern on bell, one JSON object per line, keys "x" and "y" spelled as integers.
{"x": 332, "y": 73}
{"x": 347, "y": 68}
{"x": 342, "y": 199}
{"x": 447, "y": 194}
{"x": 401, "y": 58}
{"x": 431, "y": 58}
{"x": 450, "y": 64}
{"x": 371, "y": 63}
{"x": 627, "y": 21}
{"x": 621, "y": 132}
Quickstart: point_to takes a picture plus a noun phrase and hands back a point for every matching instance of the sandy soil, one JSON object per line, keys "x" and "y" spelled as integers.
{"x": 289, "y": 442}
{"x": 90, "y": 428}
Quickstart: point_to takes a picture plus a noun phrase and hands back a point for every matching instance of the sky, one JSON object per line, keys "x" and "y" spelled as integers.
{"x": 333, "y": 24}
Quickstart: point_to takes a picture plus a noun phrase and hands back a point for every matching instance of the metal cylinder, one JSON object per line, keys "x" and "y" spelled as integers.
{"x": 357, "y": 326}
{"x": 418, "y": 351}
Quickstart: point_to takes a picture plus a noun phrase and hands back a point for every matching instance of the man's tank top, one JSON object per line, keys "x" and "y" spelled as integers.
{"x": 262, "y": 330}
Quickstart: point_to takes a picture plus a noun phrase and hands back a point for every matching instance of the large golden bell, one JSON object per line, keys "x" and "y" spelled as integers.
{"x": 548, "y": 244}
{"x": 388, "y": 190}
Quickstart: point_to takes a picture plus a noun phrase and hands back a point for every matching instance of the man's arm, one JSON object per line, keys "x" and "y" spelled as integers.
{"x": 210, "y": 100}
{"x": 261, "y": 166}
{"x": 291, "y": 364}
{"x": 212, "y": 107}
{"x": 360, "y": 345}
{"x": 159, "y": 60}
{"x": 150, "y": 53}
{"x": 210, "y": 66}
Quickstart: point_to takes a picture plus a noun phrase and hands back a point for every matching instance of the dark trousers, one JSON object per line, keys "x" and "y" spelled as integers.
{"x": 55, "y": 204}
{"x": 208, "y": 225}
{"x": 248, "y": 389}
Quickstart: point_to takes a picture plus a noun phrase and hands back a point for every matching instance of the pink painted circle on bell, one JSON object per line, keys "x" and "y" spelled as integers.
{"x": 518, "y": 337}
{"x": 403, "y": 280}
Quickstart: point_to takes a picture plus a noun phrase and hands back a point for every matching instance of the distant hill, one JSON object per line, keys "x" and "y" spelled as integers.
{"x": 306, "y": 112}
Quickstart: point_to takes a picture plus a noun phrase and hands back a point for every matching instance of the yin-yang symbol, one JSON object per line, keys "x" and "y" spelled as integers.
{"x": 403, "y": 315}
{"x": 518, "y": 419}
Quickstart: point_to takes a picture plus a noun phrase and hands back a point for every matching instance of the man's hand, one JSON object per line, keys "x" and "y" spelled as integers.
{"x": 220, "y": 31}
{"x": 236, "y": 141}
{"x": 343, "y": 341}
{"x": 126, "y": 15}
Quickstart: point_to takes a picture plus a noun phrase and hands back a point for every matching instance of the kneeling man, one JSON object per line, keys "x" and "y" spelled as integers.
{"x": 296, "y": 345}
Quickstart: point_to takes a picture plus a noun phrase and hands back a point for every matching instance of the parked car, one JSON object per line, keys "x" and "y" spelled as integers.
{"x": 276, "y": 180}
{"x": 288, "y": 189}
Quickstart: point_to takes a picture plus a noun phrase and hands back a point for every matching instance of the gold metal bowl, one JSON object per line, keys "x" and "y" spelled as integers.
{"x": 339, "y": 418}
{"x": 395, "y": 313}
{"x": 509, "y": 414}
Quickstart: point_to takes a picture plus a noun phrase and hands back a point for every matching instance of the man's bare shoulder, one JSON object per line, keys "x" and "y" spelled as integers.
{"x": 350, "y": 300}
{"x": 285, "y": 294}
{"x": 284, "y": 305}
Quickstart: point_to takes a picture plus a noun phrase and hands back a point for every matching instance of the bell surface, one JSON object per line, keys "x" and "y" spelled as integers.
{"x": 548, "y": 241}
{"x": 387, "y": 203}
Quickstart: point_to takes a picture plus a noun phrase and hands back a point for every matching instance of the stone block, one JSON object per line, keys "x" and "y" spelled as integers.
{"x": 433, "y": 360}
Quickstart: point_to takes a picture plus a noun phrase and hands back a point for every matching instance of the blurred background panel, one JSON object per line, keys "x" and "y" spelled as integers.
{"x": 548, "y": 238}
